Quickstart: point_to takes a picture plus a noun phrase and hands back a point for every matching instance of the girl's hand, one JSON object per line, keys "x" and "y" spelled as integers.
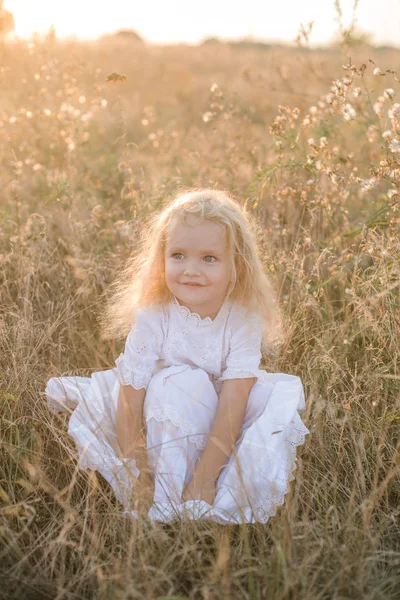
{"x": 199, "y": 489}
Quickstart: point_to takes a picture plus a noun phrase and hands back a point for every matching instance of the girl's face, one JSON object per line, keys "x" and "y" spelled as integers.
{"x": 197, "y": 268}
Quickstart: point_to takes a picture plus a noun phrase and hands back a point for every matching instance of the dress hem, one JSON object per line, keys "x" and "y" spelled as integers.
{"x": 201, "y": 510}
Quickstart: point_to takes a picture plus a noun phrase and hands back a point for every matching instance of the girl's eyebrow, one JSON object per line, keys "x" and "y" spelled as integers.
{"x": 180, "y": 249}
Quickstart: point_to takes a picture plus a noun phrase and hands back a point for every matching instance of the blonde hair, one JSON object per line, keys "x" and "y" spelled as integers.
{"x": 141, "y": 282}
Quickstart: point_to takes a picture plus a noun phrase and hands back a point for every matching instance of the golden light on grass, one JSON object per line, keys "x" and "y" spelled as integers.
{"x": 80, "y": 173}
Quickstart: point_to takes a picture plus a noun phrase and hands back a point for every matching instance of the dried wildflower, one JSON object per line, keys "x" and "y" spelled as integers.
{"x": 329, "y": 98}
{"x": 394, "y": 112}
{"x": 349, "y": 112}
{"x": 338, "y": 88}
{"x": 372, "y": 134}
{"x": 323, "y": 142}
{"x": 357, "y": 91}
{"x": 70, "y": 144}
{"x": 69, "y": 110}
{"x": 378, "y": 106}
{"x": 392, "y": 192}
{"x": 377, "y": 71}
{"x": 394, "y": 145}
{"x": 333, "y": 177}
{"x": 87, "y": 116}
{"x": 207, "y": 116}
{"x": 368, "y": 184}
{"x": 387, "y": 134}
{"x": 389, "y": 94}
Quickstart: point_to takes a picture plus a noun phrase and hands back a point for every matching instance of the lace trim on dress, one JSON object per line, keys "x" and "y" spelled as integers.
{"x": 238, "y": 374}
{"x": 167, "y": 413}
{"x": 120, "y": 473}
{"x": 133, "y": 378}
{"x": 194, "y": 318}
{"x": 294, "y": 435}
{"x": 94, "y": 461}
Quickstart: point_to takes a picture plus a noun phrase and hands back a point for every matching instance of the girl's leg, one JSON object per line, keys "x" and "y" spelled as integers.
{"x": 179, "y": 411}
{"x": 257, "y": 476}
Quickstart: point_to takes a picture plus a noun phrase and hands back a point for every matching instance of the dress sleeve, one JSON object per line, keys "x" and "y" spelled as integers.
{"x": 136, "y": 365}
{"x": 245, "y": 349}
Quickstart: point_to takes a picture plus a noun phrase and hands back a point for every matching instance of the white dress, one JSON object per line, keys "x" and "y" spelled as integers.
{"x": 181, "y": 360}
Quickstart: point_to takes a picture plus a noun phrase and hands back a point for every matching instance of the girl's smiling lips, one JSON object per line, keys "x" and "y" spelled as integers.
{"x": 194, "y": 284}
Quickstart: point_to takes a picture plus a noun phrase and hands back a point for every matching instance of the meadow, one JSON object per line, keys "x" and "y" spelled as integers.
{"x": 95, "y": 136}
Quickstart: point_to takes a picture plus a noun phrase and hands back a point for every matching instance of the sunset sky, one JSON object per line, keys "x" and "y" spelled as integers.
{"x": 171, "y": 21}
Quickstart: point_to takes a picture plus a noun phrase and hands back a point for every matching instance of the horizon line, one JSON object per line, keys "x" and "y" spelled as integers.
{"x": 218, "y": 39}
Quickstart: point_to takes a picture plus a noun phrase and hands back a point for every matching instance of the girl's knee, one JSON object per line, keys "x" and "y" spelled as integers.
{"x": 258, "y": 399}
{"x": 180, "y": 377}
{"x": 182, "y": 386}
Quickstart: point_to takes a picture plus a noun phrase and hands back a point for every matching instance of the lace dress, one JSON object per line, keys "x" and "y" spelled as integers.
{"x": 182, "y": 360}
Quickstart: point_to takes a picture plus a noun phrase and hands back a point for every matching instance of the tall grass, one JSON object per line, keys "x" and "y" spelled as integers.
{"x": 312, "y": 148}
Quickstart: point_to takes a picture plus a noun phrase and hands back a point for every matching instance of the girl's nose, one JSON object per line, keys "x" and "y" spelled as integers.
{"x": 192, "y": 269}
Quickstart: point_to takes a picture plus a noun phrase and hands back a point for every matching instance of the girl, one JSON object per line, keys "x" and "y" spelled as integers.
{"x": 186, "y": 420}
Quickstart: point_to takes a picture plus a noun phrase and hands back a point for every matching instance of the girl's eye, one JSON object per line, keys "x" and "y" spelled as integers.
{"x": 177, "y": 254}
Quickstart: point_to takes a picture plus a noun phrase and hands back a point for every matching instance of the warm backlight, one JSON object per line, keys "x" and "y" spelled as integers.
{"x": 180, "y": 20}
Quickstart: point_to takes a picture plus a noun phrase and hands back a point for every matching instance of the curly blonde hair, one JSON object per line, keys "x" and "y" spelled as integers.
{"x": 141, "y": 283}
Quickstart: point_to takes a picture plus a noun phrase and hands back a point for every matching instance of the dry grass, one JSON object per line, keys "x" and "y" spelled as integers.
{"x": 84, "y": 162}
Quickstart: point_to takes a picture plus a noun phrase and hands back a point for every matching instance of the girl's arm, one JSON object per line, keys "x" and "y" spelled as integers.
{"x": 129, "y": 419}
{"x": 225, "y": 431}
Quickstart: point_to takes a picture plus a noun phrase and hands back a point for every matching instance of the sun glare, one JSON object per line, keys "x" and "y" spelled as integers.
{"x": 180, "y": 21}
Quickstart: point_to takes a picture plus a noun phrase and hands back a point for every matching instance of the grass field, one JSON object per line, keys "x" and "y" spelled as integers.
{"x": 311, "y": 141}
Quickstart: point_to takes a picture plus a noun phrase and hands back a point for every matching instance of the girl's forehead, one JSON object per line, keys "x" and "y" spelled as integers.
{"x": 194, "y": 230}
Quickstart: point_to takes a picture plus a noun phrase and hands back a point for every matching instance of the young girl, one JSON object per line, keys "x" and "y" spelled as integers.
{"x": 186, "y": 419}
